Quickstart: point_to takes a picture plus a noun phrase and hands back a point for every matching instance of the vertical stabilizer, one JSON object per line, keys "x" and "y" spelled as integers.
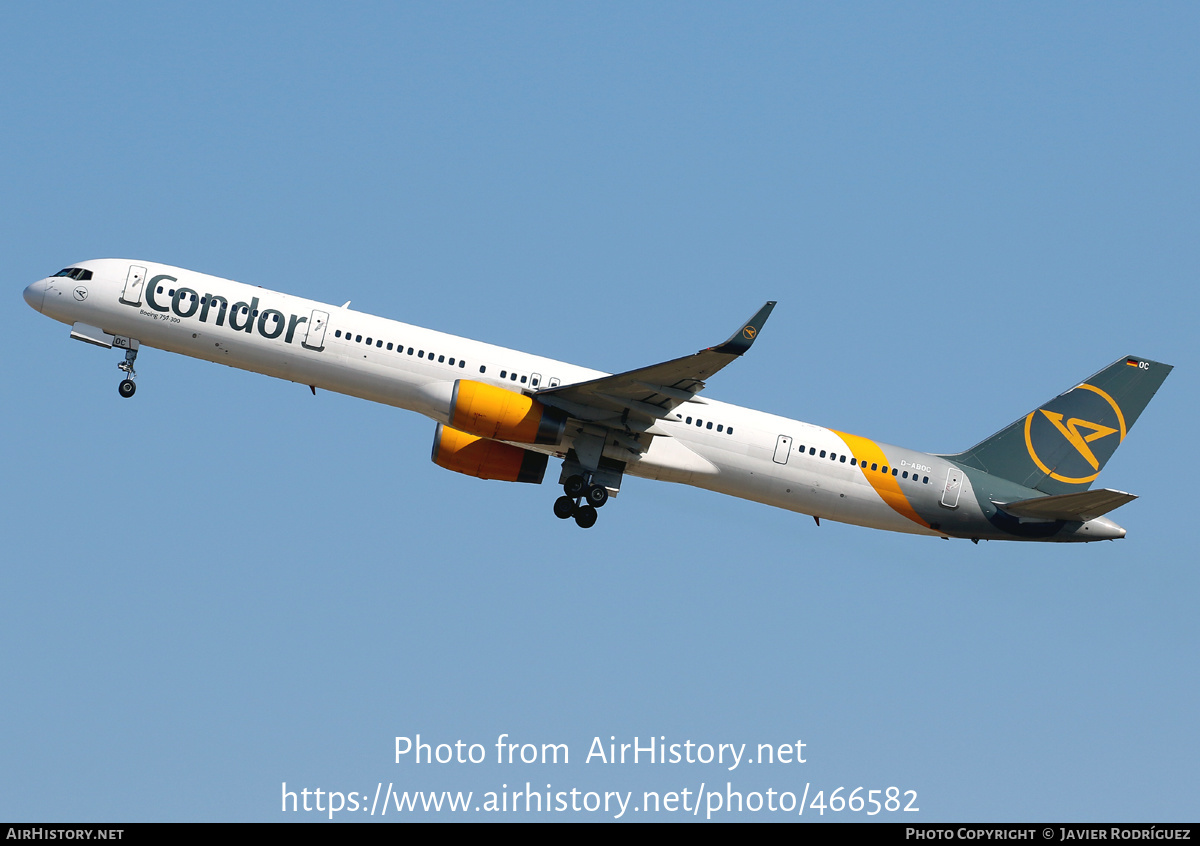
{"x": 1062, "y": 446}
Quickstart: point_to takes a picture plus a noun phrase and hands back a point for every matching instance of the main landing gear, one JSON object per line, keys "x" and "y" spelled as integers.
{"x": 581, "y": 501}
{"x": 127, "y": 386}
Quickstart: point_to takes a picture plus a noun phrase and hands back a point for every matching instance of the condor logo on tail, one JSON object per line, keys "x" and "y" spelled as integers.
{"x": 1071, "y": 432}
{"x": 1062, "y": 446}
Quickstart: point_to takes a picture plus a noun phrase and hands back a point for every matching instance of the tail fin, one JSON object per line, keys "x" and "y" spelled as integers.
{"x": 1062, "y": 446}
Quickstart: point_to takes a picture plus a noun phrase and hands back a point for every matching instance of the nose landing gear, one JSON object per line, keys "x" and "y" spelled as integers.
{"x": 127, "y": 386}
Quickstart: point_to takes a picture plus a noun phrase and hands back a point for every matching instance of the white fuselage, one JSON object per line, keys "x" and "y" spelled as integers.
{"x": 706, "y": 443}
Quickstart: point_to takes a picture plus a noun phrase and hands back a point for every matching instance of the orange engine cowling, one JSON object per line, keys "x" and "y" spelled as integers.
{"x": 475, "y": 456}
{"x": 502, "y": 415}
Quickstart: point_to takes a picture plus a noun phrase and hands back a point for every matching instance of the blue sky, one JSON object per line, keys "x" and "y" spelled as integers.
{"x": 225, "y": 584}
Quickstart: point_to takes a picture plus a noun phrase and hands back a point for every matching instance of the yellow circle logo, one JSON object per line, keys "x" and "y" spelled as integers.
{"x": 1067, "y": 452}
{"x": 749, "y": 332}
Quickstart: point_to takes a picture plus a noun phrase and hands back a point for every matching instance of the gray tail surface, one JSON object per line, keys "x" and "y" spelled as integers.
{"x": 1062, "y": 446}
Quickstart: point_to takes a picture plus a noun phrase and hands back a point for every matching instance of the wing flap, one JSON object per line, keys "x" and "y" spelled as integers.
{"x": 1082, "y": 506}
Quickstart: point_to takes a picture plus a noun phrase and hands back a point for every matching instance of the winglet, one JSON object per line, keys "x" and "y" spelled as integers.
{"x": 741, "y": 340}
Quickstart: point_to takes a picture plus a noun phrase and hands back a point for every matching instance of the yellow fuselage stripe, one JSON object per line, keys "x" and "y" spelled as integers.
{"x": 885, "y": 484}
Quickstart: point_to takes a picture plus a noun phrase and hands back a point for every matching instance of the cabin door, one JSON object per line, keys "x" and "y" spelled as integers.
{"x": 315, "y": 339}
{"x": 134, "y": 283}
{"x": 953, "y": 488}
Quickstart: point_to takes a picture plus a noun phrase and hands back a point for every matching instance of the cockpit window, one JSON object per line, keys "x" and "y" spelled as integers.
{"x": 76, "y": 273}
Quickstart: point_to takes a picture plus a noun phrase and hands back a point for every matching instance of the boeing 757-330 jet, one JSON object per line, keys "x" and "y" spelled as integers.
{"x": 501, "y": 414}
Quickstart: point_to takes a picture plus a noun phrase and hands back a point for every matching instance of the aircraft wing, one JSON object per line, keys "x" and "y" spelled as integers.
{"x": 634, "y": 400}
{"x": 1082, "y": 506}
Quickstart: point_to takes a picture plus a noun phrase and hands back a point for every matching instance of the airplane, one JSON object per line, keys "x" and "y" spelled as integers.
{"x": 502, "y": 414}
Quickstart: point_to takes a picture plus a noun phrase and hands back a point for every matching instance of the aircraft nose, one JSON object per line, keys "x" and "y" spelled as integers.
{"x": 35, "y": 294}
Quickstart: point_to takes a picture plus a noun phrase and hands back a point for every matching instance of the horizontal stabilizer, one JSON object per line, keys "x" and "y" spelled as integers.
{"x": 1082, "y": 506}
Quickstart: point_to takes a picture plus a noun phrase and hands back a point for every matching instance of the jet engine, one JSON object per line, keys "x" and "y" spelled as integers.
{"x": 498, "y": 414}
{"x": 475, "y": 456}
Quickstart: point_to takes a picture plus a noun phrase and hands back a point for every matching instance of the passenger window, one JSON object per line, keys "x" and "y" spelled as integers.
{"x": 503, "y": 374}
{"x": 842, "y": 459}
{"x": 874, "y": 466}
{"x": 802, "y": 448}
{"x": 358, "y": 339}
{"x": 689, "y": 421}
{"x": 420, "y": 353}
{"x": 708, "y": 425}
{"x": 812, "y": 450}
{"x": 337, "y": 334}
{"x": 822, "y": 453}
{"x": 451, "y": 362}
{"x": 461, "y": 363}
{"x": 379, "y": 344}
{"x": 729, "y": 431}
{"x": 853, "y": 462}
{"x": 513, "y": 376}
{"x": 389, "y": 346}
{"x": 720, "y": 428}
{"x": 483, "y": 368}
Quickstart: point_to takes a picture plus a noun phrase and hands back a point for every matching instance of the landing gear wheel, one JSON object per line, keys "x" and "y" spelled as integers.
{"x": 127, "y": 388}
{"x": 596, "y": 495}
{"x": 575, "y": 486}
{"x": 564, "y": 507}
{"x": 585, "y": 516}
